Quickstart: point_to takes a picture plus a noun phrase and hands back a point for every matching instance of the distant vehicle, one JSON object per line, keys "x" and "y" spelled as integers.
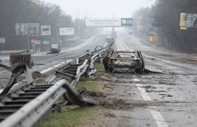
{"x": 124, "y": 61}
{"x": 55, "y": 48}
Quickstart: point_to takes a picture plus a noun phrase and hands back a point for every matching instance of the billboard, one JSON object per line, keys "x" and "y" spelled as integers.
{"x": 103, "y": 22}
{"x": 45, "y": 30}
{"x": 188, "y": 20}
{"x": 66, "y": 31}
{"x": 45, "y": 42}
{"x": 27, "y": 28}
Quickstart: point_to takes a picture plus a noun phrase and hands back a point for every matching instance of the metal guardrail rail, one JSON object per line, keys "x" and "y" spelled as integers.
{"x": 26, "y": 106}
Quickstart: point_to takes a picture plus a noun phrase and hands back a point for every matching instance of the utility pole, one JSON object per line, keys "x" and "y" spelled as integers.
{"x": 28, "y": 47}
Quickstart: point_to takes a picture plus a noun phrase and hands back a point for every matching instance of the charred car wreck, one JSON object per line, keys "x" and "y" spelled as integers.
{"x": 124, "y": 61}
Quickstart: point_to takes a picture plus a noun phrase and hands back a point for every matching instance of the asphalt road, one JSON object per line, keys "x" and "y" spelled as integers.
{"x": 44, "y": 60}
{"x": 166, "y": 98}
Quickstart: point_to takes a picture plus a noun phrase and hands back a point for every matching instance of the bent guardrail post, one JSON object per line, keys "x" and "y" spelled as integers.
{"x": 17, "y": 70}
{"x": 77, "y": 61}
{"x": 80, "y": 71}
{"x": 75, "y": 97}
{"x": 91, "y": 67}
{"x": 93, "y": 59}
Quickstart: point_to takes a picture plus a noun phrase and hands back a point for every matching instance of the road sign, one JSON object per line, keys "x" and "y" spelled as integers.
{"x": 2, "y": 40}
{"x": 67, "y": 31}
{"x": 37, "y": 42}
{"x": 45, "y": 42}
{"x": 33, "y": 41}
{"x": 45, "y": 30}
{"x": 126, "y": 22}
{"x": 103, "y": 22}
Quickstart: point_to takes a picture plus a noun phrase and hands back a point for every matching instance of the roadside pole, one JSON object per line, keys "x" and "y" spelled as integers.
{"x": 45, "y": 31}
{"x": 57, "y": 34}
{"x": 28, "y": 42}
{"x": 2, "y": 45}
{"x": 2, "y": 42}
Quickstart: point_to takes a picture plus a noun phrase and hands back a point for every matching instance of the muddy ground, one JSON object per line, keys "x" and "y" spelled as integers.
{"x": 124, "y": 106}
{"x": 118, "y": 95}
{"x": 166, "y": 98}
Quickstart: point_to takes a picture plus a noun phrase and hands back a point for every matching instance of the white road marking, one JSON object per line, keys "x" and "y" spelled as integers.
{"x": 153, "y": 109}
{"x": 120, "y": 44}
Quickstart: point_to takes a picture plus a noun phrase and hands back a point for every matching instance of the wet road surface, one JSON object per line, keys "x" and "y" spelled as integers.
{"x": 164, "y": 99}
{"x": 43, "y": 60}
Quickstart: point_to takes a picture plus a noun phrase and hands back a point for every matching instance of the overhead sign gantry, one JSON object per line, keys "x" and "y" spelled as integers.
{"x": 113, "y": 22}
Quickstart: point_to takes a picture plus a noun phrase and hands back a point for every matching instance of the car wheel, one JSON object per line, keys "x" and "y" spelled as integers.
{"x": 141, "y": 70}
{"x": 105, "y": 63}
{"x": 111, "y": 70}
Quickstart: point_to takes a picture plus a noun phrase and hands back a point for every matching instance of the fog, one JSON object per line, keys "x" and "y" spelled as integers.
{"x": 101, "y": 8}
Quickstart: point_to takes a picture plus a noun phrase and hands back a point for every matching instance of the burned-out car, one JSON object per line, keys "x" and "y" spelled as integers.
{"x": 124, "y": 61}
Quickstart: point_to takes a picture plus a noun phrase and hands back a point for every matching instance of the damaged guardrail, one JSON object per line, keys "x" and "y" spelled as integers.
{"x": 80, "y": 71}
{"x": 92, "y": 57}
{"x": 36, "y": 106}
{"x": 30, "y": 113}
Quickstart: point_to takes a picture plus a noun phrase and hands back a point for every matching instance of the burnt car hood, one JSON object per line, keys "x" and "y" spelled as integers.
{"x": 125, "y": 61}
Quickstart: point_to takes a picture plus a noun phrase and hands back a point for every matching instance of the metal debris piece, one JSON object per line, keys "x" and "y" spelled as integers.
{"x": 21, "y": 57}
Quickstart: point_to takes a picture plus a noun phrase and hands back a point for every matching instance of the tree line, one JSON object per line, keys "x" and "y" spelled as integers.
{"x": 28, "y": 11}
{"x": 164, "y": 16}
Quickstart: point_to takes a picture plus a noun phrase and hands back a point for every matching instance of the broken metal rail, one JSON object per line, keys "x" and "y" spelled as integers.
{"x": 27, "y": 106}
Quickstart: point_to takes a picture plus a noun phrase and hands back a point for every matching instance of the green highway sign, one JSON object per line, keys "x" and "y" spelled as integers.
{"x": 126, "y": 22}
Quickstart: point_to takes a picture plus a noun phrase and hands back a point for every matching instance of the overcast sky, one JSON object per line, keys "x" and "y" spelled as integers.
{"x": 101, "y": 8}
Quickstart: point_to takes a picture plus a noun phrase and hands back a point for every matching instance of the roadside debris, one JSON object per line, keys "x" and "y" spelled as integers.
{"x": 104, "y": 101}
{"x": 22, "y": 57}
